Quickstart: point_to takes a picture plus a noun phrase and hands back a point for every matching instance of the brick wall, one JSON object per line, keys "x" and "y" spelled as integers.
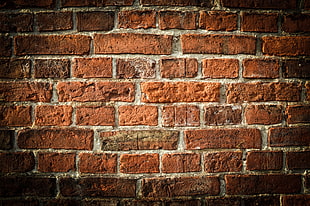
{"x": 155, "y": 102}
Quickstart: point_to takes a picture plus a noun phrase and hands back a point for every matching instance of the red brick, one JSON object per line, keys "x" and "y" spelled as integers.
{"x": 262, "y": 184}
{"x": 14, "y": 4}
{"x": 298, "y": 114}
{"x": 98, "y": 187}
{"x": 296, "y": 200}
{"x": 181, "y": 163}
{"x": 95, "y": 91}
{"x": 263, "y": 114}
{"x": 180, "y": 116}
{"x": 257, "y": 4}
{"x": 223, "y": 138}
{"x": 262, "y": 201}
{"x": 54, "y": 21}
{"x": 206, "y": 3}
{"x": 97, "y": 163}
{"x": 52, "y": 44}
{"x": 139, "y": 163}
{"x": 92, "y": 67}
{"x": 80, "y": 139}
{"x": 180, "y": 186}
{"x": 95, "y": 21}
{"x": 177, "y": 20}
{"x": 137, "y": 19}
{"x": 52, "y": 68}
{"x": 264, "y": 160}
{"x": 6, "y": 139}
{"x": 132, "y": 43}
{"x": 262, "y": 92}
{"x": 16, "y": 22}
{"x": 135, "y": 68}
{"x": 95, "y": 115}
{"x": 289, "y": 136}
{"x": 138, "y": 115}
{"x": 216, "y": 201}
{"x": 298, "y": 160}
{"x": 25, "y": 91}
{"x": 97, "y": 3}
{"x": 218, "y": 20}
{"x": 178, "y": 67}
{"x": 259, "y": 22}
{"x": 260, "y": 68}
{"x": 22, "y": 186}
{"x": 16, "y": 162}
{"x": 294, "y": 23}
{"x": 220, "y": 68}
{"x": 162, "y": 92}
{"x": 5, "y": 49}
{"x": 139, "y": 140}
{"x": 218, "y": 44}
{"x": 286, "y": 45}
{"x": 48, "y": 115}
{"x": 296, "y": 68}
{"x": 222, "y": 115}
{"x": 15, "y": 115}
{"x": 56, "y": 162}
{"x": 223, "y": 162}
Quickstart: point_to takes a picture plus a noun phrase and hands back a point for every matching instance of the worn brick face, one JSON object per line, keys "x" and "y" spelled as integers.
{"x": 178, "y": 67}
{"x": 222, "y": 115}
{"x": 297, "y": 200}
{"x": 56, "y": 162}
{"x": 97, "y": 163}
{"x": 5, "y": 49}
{"x": 277, "y": 4}
{"x": 298, "y": 160}
{"x": 18, "y": 4}
{"x": 259, "y": 22}
{"x": 12, "y": 22}
{"x": 54, "y": 21}
{"x": 97, "y": 3}
{"x": 180, "y": 116}
{"x": 15, "y": 116}
{"x": 260, "y": 68}
{"x": 6, "y": 139}
{"x": 138, "y": 115}
{"x": 181, "y": 163}
{"x": 135, "y": 68}
{"x": 264, "y": 160}
{"x": 296, "y": 68}
{"x": 95, "y": 21}
{"x": 289, "y": 136}
{"x": 263, "y": 114}
{"x": 223, "y": 162}
{"x": 52, "y": 68}
{"x": 220, "y": 68}
{"x": 92, "y": 67}
{"x": 95, "y": 115}
{"x": 137, "y": 19}
{"x": 175, "y": 3}
{"x": 139, "y": 163}
{"x": 218, "y": 20}
{"x": 294, "y": 23}
{"x": 46, "y": 115}
{"x": 298, "y": 114}
{"x": 16, "y": 162}
{"x": 177, "y": 20}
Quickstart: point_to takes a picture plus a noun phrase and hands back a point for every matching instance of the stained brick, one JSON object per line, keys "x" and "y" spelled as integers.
{"x": 263, "y": 114}
{"x": 16, "y": 162}
{"x": 223, "y": 162}
{"x": 139, "y": 163}
{"x": 54, "y": 21}
{"x": 92, "y": 68}
{"x": 56, "y": 162}
{"x": 289, "y": 136}
{"x": 178, "y": 67}
{"x": 51, "y": 68}
{"x": 137, "y": 19}
{"x": 259, "y": 22}
{"x": 222, "y": 115}
{"x": 260, "y": 68}
{"x": 181, "y": 163}
{"x": 218, "y": 20}
{"x": 17, "y": 4}
{"x": 95, "y": 21}
{"x": 6, "y": 139}
{"x": 98, "y": 163}
{"x": 264, "y": 160}
{"x": 294, "y": 23}
{"x": 177, "y": 20}
{"x": 5, "y": 49}
{"x": 180, "y": 116}
{"x": 297, "y": 200}
{"x": 298, "y": 114}
{"x": 296, "y": 68}
{"x": 16, "y": 22}
{"x": 206, "y": 3}
{"x": 298, "y": 160}
{"x": 135, "y": 68}
{"x": 277, "y": 4}
{"x": 95, "y": 115}
{"x": 97, "y": 3}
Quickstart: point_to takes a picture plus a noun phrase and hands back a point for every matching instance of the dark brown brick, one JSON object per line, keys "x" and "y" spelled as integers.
{"x": 54, "y": 21}
{"x": 177, "y": 20}
{"x": 61, "y": 202}
{"x": 259, "y": 22}
{"x": 289, "y": 136}
{"x": 139, "y": 163}
{"x": 264, "y": 160}
{"x": 19, "y": 4}
{"x": 222, "y": 115}
{"x": 263, "y": 114}
{"x": 5, "y": 49}
{"x": 92, "y": 68}
{"x": 95, "y": 21}
{"x": 255, "y": 4}
{"x": 56, "y": 162}
{"x": 15, "y": 115}
{"x": 180, "y": 116}
{"x": 294, "y": 23}
{"x": 20, "y": 202}
{"x": 218, "y": 20}
{"x": 79, "y": 139}
{"x": 16, "y": 162}
{"x": 296, "y": 68}
{"x": 178, "y": 67}
{"x": 216, "y": 201}
{"x": 15, "y": 68}
{"x": 298, "y": 160}
{"x": 223, "y": 162}
{"x": 137, "y": 19}
{"x": 98, "y": 163}
{"x": 262, "y": 201}
{"x": 223, "y": 138}
{"x": 51, "y": 68}
{"x": 139, "y": 140}
{"x": 181, "y": 163}
{"x": 6, "y": 139}
{"x": 206, "y": 3}
{"x": 97, "y": 3}
{"x": 16, "y": 22}
{"x": 135, "y": 68}
{"x": 296, "y": 200}
{"x": 298, "y": 114}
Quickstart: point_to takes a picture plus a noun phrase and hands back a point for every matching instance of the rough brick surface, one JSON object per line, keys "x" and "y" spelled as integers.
{"x": 259, "y": 22}
{"x": 264, "y": 160}
{"x": 54, "y": 21}
{"x": 233, "y": 201}
{"x": 139, "y": 140}
{"x": 297, "y": 200}
{"x": 298, "y": 160}
{"x": 46, "y": 115}
{"x": 289, "y": 136}
{"x": 222, "y": 115}
{"x": 95, "y": 115}
{"x": 220, "y": 68}
{"x": 95, "y": 91}
{"x": 139, "y": 163}
{"x": 56, "y": 162}
{"x": 92, "y": 67}
{"x": 263, "y": 114}
{"x": 260, "y": 68}
{"x": 14, "y": 4}
{"x": 12, "y": 22}
{"x": 52, "y": 44}
{"x": 178, "y": 68}
{"x": 286, "y": 46}
{"x": 307, "y": 85}
{"x": 218, "y": 44}
{"x": 298, "y": 114}
{"x": 218, "y": 20}
{"x": 6, "y": 139}
{"x": 176, "y": 2}
{"x": 95, "y": 21}
{"x": 16, "y": 162}
{"x": 256, "y": 184}
{"x": 137, "y": 19}
{"x": 296, "y": 68}
{"x": 222, "y": 138}
{"x": 133, "y": 43}
{"x": 15, "y": 116}
{"x": 56, "y": 139}
{"x": 97, "y": 163}
{"x": 6, "y": 43}
{"x": 181, "y": 162}
{"x": 138, "y": 115}
{"x": 262, "y": 92}
{"x": 52, "y": 68}
{"x": 277, "y": 4}
{"x": 182, "y": 186}
{"x": 180, "y": 116}
{"x": 223, "y": 162}
{"x": 15, "y": 68}
{"x": 262, "y": 200}
{"x": 294, "y": 23}
{"x": 97, "y": 3}
{"x": 177, "y": 20}
{"x": 135, "y": 68}
{"x": 162, "y": 92}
